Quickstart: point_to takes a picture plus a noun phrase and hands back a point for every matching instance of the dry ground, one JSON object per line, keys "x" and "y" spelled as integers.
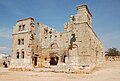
{"x": 109, "y": 71}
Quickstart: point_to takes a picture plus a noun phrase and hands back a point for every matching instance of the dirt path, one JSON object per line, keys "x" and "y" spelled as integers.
{"x": 109, "y": 71}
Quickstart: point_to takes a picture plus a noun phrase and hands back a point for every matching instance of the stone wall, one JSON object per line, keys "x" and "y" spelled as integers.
{"x": 23, "y": 43}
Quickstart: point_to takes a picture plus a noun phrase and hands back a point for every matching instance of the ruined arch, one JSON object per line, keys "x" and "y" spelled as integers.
{"x": 54, "y": 60}
{"x": 75, "y": 46}
{"x": 53, "y": 45}
{"x": 53, "y": 54}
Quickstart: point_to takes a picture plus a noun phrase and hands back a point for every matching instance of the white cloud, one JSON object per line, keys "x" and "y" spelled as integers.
{"x": 4, "y": 49}
{"x": 5, "y": 32}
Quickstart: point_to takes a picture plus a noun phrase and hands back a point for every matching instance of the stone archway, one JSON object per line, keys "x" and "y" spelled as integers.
{"x": 35, "y": 61}
{"x": 53, "y": 46}
{"x": 54, "y": 60}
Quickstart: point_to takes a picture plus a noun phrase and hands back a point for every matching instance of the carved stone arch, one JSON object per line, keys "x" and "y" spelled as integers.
{"x": 75, "y": 46}
{"x": 53, "y": 45}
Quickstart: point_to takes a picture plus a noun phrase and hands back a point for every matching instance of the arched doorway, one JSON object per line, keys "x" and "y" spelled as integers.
{"x": 54, "y": 60}
{"x": 35, "y": 61}
{"x": 53, "y": 54}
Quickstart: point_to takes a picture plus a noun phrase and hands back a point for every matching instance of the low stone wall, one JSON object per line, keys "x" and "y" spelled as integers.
{"x": 112, "y": 58}
{"x": 61, "y": 68}
{"x": 20, "y": 69}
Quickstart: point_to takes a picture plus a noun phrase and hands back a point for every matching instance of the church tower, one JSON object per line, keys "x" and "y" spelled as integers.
{"x": 23, "y": 43}
{"x": 83, "y": 15}
{"x": 83, "y": 42}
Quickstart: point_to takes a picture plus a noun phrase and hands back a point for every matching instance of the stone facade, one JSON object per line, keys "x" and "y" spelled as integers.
{"x": 76, "y": 47}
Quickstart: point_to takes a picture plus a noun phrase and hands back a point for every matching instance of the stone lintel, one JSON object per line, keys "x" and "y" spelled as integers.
{"x": 19, "y": 33}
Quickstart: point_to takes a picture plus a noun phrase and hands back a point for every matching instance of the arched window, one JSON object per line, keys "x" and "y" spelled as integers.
{"x": 22, "y": 55}
{"x": 22, "y": 40}
{"x": 17, "y": 55}
{"x": 19, "y": 27}
{"x": 18, "y": 41}
{"x": 23, "y": 28}
{"x": 46, "y": 31}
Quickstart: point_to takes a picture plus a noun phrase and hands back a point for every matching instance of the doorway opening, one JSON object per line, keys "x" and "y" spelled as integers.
{"x": 35, "y": 61}
{"x": 54, "y": 60}
{"x": 64, "y": 58}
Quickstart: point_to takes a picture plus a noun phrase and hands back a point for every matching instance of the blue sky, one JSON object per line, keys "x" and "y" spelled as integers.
{"x": 54, "y": 13}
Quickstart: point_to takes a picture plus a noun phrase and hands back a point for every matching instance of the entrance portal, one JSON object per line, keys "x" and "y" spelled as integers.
{"x": 35, "y": 61}
{"x": 54, "y": 60}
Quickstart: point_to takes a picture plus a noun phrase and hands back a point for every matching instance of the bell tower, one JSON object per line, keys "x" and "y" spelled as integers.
{"x": 83, "y": 15}
{"x": 23, "y": 42}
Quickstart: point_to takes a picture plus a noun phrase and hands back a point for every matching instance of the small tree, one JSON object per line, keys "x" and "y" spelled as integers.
{"x": 112, "y": 52}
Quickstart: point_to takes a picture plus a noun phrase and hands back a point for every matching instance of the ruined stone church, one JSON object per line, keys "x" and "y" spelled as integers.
{"x": 76, "y": 47}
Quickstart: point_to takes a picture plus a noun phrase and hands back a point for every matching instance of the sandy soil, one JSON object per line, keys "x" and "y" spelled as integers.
{"x": 109, "y": 71}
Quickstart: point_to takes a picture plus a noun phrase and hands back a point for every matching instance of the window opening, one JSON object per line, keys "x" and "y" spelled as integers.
{"x": 17, "y": 55}
{"x": 20, "y": 28}
{"x": 22, "y": 41}
{"x": 18, "y": 41}
{"x": 22, "y": 54}
{"x": 23, "y": 28}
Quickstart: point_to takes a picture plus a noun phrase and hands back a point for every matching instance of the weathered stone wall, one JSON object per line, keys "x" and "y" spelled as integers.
{"x": 90, "y": 49}
{"x": 23, "y": 42}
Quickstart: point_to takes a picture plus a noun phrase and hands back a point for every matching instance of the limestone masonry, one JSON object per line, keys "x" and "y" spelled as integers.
{"x": 76, "y": 48}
